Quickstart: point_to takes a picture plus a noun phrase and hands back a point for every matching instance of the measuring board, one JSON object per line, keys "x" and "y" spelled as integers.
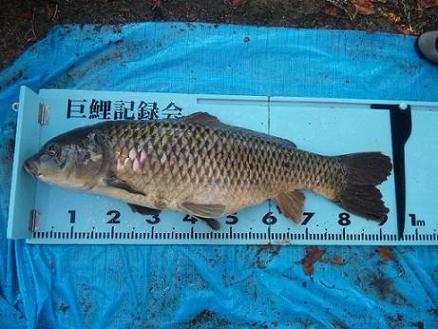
{"x": 41, "y": 213}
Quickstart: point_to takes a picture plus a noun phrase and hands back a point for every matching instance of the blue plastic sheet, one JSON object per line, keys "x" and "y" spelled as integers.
{"x": 215, "y": 286}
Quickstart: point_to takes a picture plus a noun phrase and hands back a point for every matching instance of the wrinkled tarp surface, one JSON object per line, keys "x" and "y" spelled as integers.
{"x": 216, "y": 286}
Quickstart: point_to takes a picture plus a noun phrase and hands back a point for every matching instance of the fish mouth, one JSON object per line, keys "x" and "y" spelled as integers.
{"x": 31, "y": 168}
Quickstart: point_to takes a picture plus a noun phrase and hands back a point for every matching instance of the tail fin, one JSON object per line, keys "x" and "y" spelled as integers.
{"x": 359, "y": 194}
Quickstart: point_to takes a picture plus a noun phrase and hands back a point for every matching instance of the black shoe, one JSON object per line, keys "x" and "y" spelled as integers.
{"x": 427, "y": 45}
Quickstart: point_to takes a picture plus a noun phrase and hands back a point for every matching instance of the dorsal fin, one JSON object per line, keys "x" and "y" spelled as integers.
{"x": 201, "y": 118}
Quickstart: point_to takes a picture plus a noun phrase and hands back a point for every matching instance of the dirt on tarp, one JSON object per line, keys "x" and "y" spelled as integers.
{"x": 25, "y": 22}
{"x": 385, "y": 254}
{"x": 314, "y": 255}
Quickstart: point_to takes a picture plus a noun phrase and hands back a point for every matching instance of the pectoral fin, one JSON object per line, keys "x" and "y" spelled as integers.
{"x": 203, "y": 210}
{"x": 143, "y": 210}
{"x": 291, "y": 204}
{"x": 123, "y": 185}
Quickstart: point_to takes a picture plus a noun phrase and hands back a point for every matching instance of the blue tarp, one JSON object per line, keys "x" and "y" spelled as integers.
{"x": 215, "y": 286}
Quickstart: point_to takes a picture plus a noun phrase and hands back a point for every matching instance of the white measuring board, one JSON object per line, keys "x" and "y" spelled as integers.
{"x": 41, "y": 213}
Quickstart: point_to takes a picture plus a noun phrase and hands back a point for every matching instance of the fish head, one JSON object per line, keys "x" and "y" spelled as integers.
{"x": 75, "y": 159}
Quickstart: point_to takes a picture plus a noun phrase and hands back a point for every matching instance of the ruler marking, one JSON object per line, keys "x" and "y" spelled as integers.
{"x": 229, "y": 234}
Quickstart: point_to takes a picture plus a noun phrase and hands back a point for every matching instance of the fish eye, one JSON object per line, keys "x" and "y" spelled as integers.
{"x": 52, "y": 150}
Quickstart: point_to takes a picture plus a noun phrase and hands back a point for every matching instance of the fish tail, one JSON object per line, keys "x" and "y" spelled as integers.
{"x": 358, "y": 193}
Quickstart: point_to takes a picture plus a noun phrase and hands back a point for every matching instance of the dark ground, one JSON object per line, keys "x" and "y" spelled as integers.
{"x": 23, "y": 22}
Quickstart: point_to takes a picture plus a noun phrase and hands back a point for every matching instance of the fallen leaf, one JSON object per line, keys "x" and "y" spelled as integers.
{"x": 237, "y": 3}
{"x": 425, "y": 4}
{"x": 331, "y": 11}
{"x": 393, "y": 17}
{"x": 337, "y": 260}
{"x": 385, "y": 254}
{"x": 313, "y": 255}
{"x": 363, "y": 7}
{"x": 407, "y": 30}
{"x": 156, "y": 4}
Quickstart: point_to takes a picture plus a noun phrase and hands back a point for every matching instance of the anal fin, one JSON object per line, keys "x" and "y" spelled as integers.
{"x": 144, "y": 210}
{"x": 291, "y": 204}
{"x": 211, "y": 222}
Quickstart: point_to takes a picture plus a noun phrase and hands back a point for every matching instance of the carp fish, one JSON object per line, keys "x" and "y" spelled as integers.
{"x": 205, "y": 168}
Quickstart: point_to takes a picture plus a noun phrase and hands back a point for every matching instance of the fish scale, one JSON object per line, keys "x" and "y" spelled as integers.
{"x": 206, "y": 160}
